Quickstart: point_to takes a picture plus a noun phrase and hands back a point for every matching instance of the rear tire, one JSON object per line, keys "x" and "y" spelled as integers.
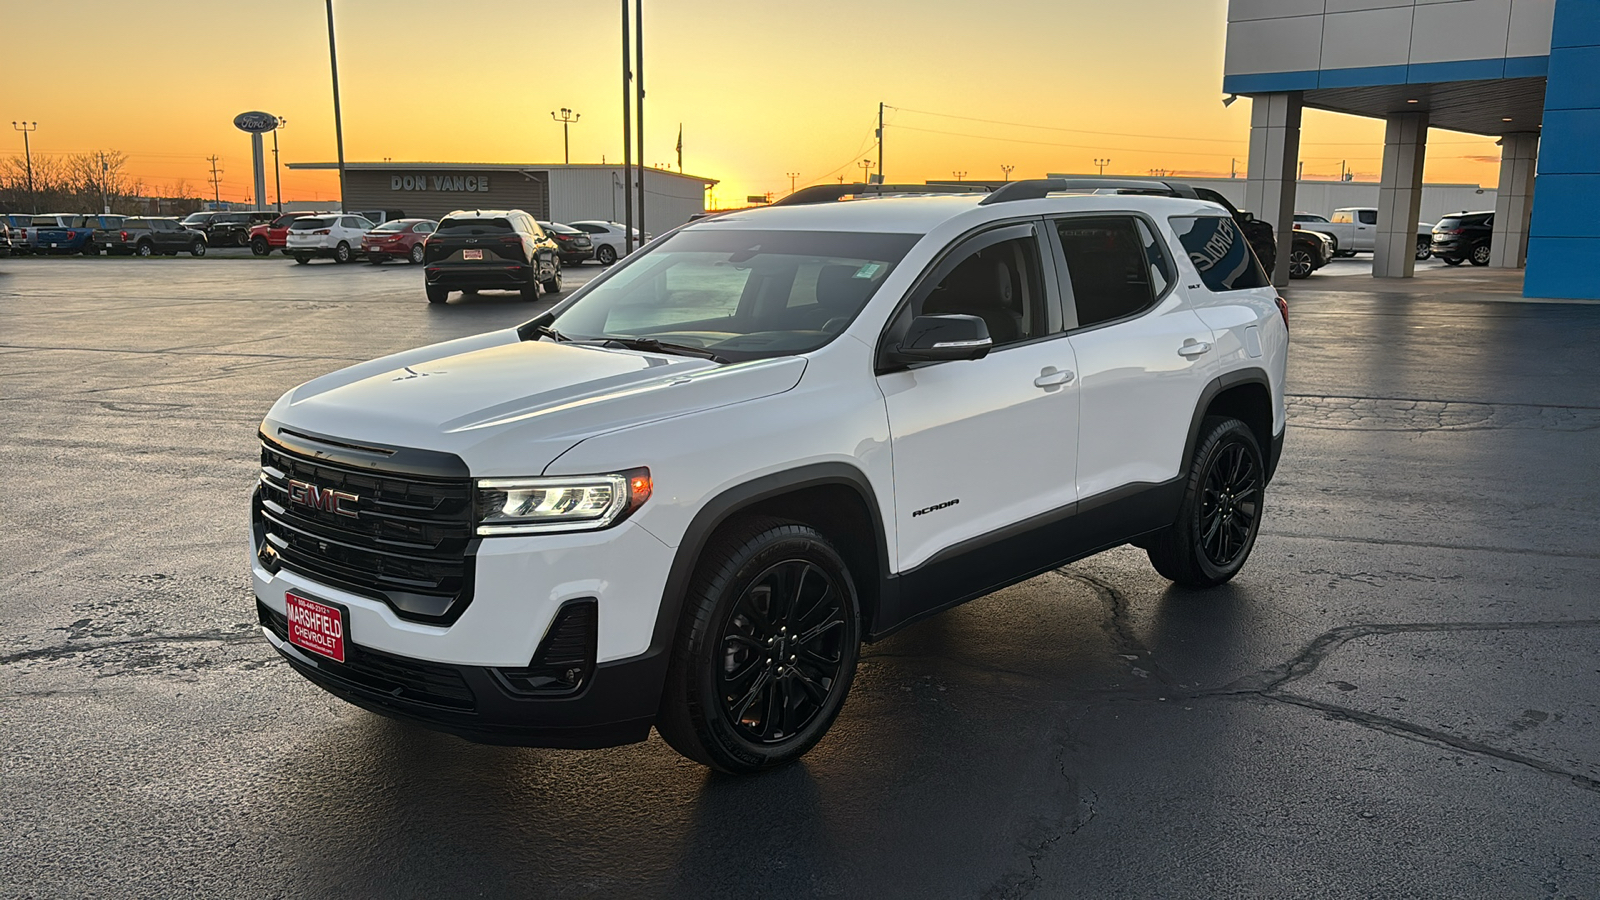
{"x": 341, "y": 253}
{"x": 1449, "y": 261}
{"x": 145, "y": 248}
{"x": 606, "y": 255}
{"x": 260, "y": 247}
{"x": 437, "y": 294}
{"x": 766, "y": 648}
{"x": 1221, "y": 513}
{"x": 1480, "y": 255}
{"x": 418, "y": 253}
{"x": 301, "y": 259}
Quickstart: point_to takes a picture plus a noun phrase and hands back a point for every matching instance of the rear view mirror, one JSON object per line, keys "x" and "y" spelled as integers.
{"x": 938, "y": 338}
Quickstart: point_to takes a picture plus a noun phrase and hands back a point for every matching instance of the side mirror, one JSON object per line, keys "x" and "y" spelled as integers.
{"x": 938, "y": 338}
{"x": 1247, "y": 215}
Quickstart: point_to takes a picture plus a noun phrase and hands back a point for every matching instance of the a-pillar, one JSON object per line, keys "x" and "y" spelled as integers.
{"x": 1513, "y": 205}
{"x": 1274, "y": 154}
{"x": 1405, "y": 148}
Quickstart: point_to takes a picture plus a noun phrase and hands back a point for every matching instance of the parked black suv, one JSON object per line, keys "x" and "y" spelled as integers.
{"x": 232, "y": 229}
{"x": 492, "y": 249}
{"x": 1463, "y": 237}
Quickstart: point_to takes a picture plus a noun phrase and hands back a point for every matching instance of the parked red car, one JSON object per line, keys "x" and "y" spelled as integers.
{"x": 397, "y": 239}
{"x": 269, "y": 237}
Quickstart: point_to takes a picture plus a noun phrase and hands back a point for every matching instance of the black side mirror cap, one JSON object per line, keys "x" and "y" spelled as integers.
{"x": 939, "y": 338}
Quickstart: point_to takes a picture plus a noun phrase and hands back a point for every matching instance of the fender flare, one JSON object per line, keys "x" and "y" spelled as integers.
{"x": 1223, "y": 382}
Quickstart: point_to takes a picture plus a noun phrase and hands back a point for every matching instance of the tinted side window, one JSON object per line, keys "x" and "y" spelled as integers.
{"x": 1110, "y": 265}
{"x": 1001, "y": 284}
{"x": 1219, "y": 252}
{"x": 1368, "y": 216}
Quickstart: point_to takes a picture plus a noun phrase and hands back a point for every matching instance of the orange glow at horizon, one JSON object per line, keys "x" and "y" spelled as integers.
{"x": 760, "y": 90}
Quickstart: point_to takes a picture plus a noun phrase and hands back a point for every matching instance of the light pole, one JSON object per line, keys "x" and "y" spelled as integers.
{"x": 27, "y": 152}
{"x": 959, "y": 175}
{"x": 277, "y": 175}
{"x": 566, "y": 118}
{"x": 1101, "y": 164}
{"x": 1006, "y": 169}
{"x": 338, "y": 121}
{"x": 105, "y": 174}
{"x": 866, "y": 168}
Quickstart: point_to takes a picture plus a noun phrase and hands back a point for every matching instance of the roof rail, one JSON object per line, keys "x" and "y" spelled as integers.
{"x": 1035, "y": 188}
{"x": 830, "y": 193}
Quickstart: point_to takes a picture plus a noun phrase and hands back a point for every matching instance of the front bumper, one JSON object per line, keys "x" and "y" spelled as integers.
{"x": 452, "y": 678}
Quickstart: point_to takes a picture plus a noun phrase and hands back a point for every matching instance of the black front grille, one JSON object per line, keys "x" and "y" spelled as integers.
{"x": 404, "y": 679}
{"x": 405, "y": 539}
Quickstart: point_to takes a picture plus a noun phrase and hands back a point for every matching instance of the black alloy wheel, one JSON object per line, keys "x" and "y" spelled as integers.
{"x": 606, "y": 255}
{"x": 1480, "y": 255}
{"x": 766, "y": 649}
{"x": 260, "y": 247}
{"x": 1221, "y": 512}
{"x": 146, "y": 249}
{"x": 1300, "y": 264}
{"x": 197, "y": 249}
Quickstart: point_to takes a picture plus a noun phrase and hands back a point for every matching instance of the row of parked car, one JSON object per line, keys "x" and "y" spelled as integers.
{"x": 376, "y": 235}
{"x": 1454, "y": 239}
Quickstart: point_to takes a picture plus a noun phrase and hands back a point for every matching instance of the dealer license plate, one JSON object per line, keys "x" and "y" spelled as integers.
{"x": 315, "y": 626}
{"x": 472, "y": 254}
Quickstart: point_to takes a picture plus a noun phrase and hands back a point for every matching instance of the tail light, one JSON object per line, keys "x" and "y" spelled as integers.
{"x": 323, "y": 231}
{"x": 1283, "y": 309}
{"x": 511, "y": 240}
{"x": 124, "y": 235}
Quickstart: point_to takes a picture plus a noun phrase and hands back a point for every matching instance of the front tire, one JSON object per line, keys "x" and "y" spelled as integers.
{"x": 1300, "y": 264}
{"x": 260, "y": 247}
{"x": 1424, "y": 248}
{"x": 1221, "y": 512}
{"x": 766, "y": 648}
{"x": 197, "y": 249}
{"x": 552, "y": 286}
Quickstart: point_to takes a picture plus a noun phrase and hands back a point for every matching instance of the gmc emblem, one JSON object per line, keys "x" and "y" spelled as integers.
{"x": 325, "y": 499}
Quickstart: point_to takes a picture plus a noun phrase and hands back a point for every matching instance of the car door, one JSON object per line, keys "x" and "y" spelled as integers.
{"x": 1143, "y": 356}
{"x": 980, "y": 446}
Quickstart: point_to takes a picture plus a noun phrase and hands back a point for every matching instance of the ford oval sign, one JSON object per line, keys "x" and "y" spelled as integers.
{"x": 255, "y": 122}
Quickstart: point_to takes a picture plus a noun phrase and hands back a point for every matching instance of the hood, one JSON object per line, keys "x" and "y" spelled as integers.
{"x": 510, "y": 407}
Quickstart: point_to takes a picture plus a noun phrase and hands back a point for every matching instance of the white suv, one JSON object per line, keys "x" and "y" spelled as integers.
{"x": 685, "y": 495}
{"x": 336, "y": 235}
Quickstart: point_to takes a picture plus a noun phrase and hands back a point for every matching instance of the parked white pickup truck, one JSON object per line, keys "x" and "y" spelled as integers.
{"x": 1354, "y": 228}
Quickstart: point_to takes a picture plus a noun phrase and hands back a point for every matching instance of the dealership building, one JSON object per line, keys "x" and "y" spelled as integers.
{"x": 550, "y": 192}
{"x": 1525, "y": 71}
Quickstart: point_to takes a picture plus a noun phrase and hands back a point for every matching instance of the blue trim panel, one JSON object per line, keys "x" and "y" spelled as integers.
{"x": 1374, "y": 76}
{"x": 1577, "y": 24}
{"x": 1566, "y": 207}
{"x": 1567, "y": 144}
{"x": 1574, "y": 79}
{"x": 1562, "y": 268}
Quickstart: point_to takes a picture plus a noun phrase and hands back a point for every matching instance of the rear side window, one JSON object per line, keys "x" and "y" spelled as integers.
{"x": 473, "y": 226}
{"x": 1219, "y": 253}
{"x": 1115, "y": 266}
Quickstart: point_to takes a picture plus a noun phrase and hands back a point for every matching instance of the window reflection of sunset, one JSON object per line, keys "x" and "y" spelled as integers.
{"x": 761, "y": 89}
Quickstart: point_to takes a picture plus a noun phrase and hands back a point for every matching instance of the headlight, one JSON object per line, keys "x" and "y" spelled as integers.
{"x": 559, "y": 503}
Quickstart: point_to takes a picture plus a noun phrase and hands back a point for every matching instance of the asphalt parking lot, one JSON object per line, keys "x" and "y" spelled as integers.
{"x": 1399, "y": 696}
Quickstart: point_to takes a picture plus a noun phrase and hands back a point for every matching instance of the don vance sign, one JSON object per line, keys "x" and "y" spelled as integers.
{"x": 439, "y": 183}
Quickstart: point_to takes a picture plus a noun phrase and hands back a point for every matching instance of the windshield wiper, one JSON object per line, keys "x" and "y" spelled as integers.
{"x": 551, "y": 333}
{"x": 654, "y": 346}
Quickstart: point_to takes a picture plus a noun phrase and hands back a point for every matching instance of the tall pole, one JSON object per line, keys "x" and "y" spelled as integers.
{"x": 638, "y": 68}
{"x": 27, "y": 154}
{"x": 338, "y": 120}
{"x": 1101, "y": 164}
{"x": 277, "y": 174}
{"x": 880, "y": 142}
{"x": 866, "y": 170}
{"x": 792, "y": 177}
{"x": 105, "y": 190}
{"x": 627, "y": 138}
{"x": 1007, "y": 169}
{"x": 566, "y": 118}
{"x": 216, "y": 181}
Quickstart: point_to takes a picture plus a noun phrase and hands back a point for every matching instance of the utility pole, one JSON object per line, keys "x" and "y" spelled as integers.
{"x": 1301, "y": 176}
{"x": 105, "y": 191}
{"x": 880, "y": 142}
{"x": 1101, "y": 164}
{"x": 638, "y": 68}
{"x": 216, "y": 181}
{"x": 792, "y": 177}
{"x": 959, "y": 176}
{"x": 277, "y": 174}
{"x": 627, "y": 138}
{"x": 866, "y": 170}
{"x": 338, "y": 121}
{"x": 1342, "y": 176}
{"x": 1233, "y": 167}
{"x": 566, "y": 118}
{"x": 27, "y": 152}
{"x": 1006, "y": 169}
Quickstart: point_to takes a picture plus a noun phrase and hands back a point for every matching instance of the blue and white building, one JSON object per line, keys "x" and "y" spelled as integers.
{"x": 1527, "y": 71}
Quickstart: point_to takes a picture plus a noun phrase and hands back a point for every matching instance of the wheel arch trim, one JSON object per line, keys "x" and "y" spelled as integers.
{"x": 1217, "y": 387}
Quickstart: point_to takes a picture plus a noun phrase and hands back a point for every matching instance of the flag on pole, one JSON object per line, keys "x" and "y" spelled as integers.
{"x": 680, "y": 146}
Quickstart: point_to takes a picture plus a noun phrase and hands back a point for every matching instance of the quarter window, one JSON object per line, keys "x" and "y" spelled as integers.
{"x": 1115, "y": 264}
{"x": 1219, "y": 252}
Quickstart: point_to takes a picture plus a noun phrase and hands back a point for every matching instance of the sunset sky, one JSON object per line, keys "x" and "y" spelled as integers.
{"x": 762, "y": 89}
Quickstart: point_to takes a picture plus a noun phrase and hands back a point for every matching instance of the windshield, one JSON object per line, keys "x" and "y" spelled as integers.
{"x": 389, "y": 227}
{"x": 197, "y": 218}
{"x": 742, "y": 294}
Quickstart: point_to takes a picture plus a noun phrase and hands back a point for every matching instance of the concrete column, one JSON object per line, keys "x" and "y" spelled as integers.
{"x": 1513, "y": 207}
{"x": 1274, "y": 154}
{"x": 1405, "y": 148}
